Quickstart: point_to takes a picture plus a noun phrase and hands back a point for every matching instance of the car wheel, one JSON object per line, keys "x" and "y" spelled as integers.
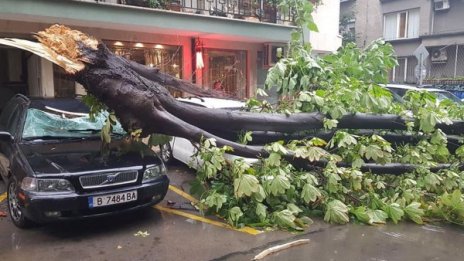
{"x": 166, "y": 153}
{"x": 14, "y": 208}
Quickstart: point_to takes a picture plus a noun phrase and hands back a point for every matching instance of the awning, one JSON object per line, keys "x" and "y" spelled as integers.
{"x": 443, "y": 39}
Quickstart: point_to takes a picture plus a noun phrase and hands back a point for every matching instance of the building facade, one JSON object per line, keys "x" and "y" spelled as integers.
{"x": 407, "y": 24}
{"x": 220, "y": 44}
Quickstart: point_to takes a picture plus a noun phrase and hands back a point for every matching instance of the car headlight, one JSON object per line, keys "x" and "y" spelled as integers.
{"x": 46, "y": 185}
{"x": 153, "y": 172}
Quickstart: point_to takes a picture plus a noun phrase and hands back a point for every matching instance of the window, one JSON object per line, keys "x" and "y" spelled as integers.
{"x": 226, "y": 70}
{"x": 167, "y": 58}
{"x": 401, "y": 25}
{"x": 400, "y": 71}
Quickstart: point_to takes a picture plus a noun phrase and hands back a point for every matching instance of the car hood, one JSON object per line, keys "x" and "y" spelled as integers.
{"x": 86, "y": 155}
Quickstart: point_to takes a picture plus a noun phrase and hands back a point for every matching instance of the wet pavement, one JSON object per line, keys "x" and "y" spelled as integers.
{"x": 173, "y": 237}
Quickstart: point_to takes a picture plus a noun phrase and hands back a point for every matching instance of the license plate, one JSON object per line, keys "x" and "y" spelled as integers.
{"x": 112, "y": 199}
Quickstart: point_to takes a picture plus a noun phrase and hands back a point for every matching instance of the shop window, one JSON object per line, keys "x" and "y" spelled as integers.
{"x": 226, "y": 70}
{"x": 167, "y": 58}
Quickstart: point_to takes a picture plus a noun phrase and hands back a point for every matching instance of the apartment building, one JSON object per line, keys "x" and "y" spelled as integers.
{"x": 226, "y": 44}
{"x": 437, "y": 25}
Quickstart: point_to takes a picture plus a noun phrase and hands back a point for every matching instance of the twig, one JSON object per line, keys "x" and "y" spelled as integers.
{"x": 279, "y": 248}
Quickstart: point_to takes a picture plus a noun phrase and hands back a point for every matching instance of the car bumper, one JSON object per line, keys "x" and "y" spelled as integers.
{"x": 76, "y": 206}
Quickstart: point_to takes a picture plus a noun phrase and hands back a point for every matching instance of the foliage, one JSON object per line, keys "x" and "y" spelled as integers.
{"x": 274, "y": 193}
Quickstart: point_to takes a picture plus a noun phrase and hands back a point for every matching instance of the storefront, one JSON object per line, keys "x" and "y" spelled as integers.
{"x": 228, "y": 65}
{"x": 226, "y": 70}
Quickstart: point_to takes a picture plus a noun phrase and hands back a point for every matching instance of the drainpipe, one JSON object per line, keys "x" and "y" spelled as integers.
{"x": 432, "y": 22}
{"x": 456, "y": 60}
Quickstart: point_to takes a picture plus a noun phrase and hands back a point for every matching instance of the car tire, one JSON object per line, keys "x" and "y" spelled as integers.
{"x": 14, "y": 209}
{"x": 166, "y": 153}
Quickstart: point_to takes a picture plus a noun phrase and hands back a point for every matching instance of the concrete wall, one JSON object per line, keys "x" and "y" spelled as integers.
{"x": 451, "y": 20}
{"x": 369, "y": 21}
{"x": 347, "y": 8}
{"x": 326, "y": 17}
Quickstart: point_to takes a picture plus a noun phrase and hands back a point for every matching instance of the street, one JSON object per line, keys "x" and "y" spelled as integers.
{"x": 173, "y": 237}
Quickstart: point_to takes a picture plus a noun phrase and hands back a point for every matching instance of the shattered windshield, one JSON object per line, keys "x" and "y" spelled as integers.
{"x": 41, "y": 124}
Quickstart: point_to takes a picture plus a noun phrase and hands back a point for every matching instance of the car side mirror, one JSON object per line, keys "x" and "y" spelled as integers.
{"x": 6, "y": 136}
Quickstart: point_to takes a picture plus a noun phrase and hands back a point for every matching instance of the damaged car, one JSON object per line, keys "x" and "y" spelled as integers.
{"x": 56, "y": 166}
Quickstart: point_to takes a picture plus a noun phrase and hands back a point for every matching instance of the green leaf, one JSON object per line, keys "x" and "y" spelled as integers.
{"x": 260, "y": 196}
{"x": 357, "y": 163}
{"x": 309, "y": 193}
{"x": 394, "y": 211}
{"x": 285, "y": 219}
{"x": 235, "y": 214}
{"x": 196, "y": 187}
{"x": 261, "y": 211}
{"x": 374, "y": 152}
{"x": 215, "y": 200}
{"x": 245, "y": 185}
{"x": 377, "y": 216}
{"x": 460, "y": 152}
{"x": 315, "y": 153}
{"x": 361, "y": 214}
{"x": 294, "y": 209}
{"x": 313, "y": 27}
{"x": 336, "y": 212}
{"x": 414, "y": 212}
{"x": 454, "y": 203}
{"x": 330, "y": 124}
{"x": 279, "y": 184}
{"x": 432, "y": 181}
{"x": 274, "y": 159}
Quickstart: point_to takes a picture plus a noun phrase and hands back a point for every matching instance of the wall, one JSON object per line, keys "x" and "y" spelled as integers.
{"x": 451, "y": 20}
{"x": 347, "y": 8}
{"x": 326, "y": 17}
{"x": 369, "y": 22}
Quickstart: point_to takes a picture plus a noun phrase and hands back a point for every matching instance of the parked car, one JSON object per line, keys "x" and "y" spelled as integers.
{"x": 444, "y": 94}
{"x": 399, "y": 90}
{"x": 182, "y": 149}
{"x": 51, "y": 157}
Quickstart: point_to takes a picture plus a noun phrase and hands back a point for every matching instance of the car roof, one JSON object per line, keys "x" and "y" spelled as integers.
{"x": 402, "y": 86}
{"x": 434, "y": 90}
{"x": 64, "y": 104}
{"x": 214, "y": 103}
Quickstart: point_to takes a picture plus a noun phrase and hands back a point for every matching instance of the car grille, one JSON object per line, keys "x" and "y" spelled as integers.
{"x": 101, "y": 180}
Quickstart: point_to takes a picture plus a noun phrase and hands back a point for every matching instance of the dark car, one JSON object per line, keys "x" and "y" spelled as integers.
{"x": 57, "y": 168}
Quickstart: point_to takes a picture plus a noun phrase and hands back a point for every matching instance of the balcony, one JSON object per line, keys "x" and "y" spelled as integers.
{"x": 265, "y": 11}
{"x": 192, "y": 20}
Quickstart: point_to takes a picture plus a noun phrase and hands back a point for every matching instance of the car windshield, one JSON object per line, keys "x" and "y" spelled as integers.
{"x": 398, "y": 91}
{"x": 441, "y": 95}
{"x": 45, "y": 125}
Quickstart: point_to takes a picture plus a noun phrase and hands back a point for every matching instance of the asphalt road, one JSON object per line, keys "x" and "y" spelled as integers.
{"x": 174, "y": 237}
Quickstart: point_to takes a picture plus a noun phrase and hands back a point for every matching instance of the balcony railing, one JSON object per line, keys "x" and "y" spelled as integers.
{"x": 250, "y": 10}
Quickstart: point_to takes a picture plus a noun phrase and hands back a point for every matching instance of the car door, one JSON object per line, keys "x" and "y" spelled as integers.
{"x": 11, "y": 120}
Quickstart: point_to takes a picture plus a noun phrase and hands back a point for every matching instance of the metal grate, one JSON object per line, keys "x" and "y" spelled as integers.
{"x": 108, "y": 179}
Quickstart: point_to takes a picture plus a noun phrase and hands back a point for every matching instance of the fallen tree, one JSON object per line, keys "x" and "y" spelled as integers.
{"x": 318, "y": 147}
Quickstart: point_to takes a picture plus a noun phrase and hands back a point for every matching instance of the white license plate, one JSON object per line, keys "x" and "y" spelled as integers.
{"x": 112, "y": 199}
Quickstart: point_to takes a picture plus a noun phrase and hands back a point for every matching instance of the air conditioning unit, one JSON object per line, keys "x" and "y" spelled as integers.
{"x": 439, "y": 5}
{"x": 439, "y": 55}
{"x": 272, "y": 53}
